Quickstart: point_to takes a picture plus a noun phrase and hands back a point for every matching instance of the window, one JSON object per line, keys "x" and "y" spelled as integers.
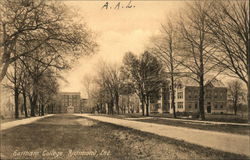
{"x": 222, "y": 94}
{"x": 215, "y": 94}
{"x": 196, "y": 105}
{"x": 216, "y": 106}
{"x": 189, "y": 106}
{"x": 221, "y": 106}
{"x": 180, "y": 104}
{"x": 179, "y": 86}
{"x": 208, "y": 94}
{"x": 195, "y": 93}
{"x": 190, "y": 94}
{"x": 180, "y": 95}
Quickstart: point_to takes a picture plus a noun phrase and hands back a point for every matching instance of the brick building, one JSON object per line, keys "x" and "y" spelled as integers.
{"x": 69, "y": 102}
{"x": 187, "y": 96}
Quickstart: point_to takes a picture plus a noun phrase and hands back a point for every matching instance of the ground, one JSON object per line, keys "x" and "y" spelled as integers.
{"x": 161, "y": 119}
{"x": 209, "y": 117}
{"x": 227, "y": 128}
{"x": 73, "y": 137}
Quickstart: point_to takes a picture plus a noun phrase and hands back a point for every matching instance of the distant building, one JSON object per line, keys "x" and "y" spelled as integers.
{"x": 187, "y": 96}
{"x": 69, "y": 102}
{"x": 162, "y": 104}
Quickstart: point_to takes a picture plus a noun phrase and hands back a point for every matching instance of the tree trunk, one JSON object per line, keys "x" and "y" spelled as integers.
{"x": 201, "y": 98}
{"x": 143, "y": 105}
{"x": 16, "y": 103}
{"x": 39, "y": 110}
{"x": 5, "y": 56}
{"x": 248, "y": 72}
{"x": 33, "y": 100}
{"x": 172, "y": 95}
{"x": 16, "y": 92}
{"x": 128, "y": 104}
{"x": 201, "y": 77}
{"x": 117, "y": 102}
{"x": 248, "y": 68}
{"x": 108, "y": 111}
{"x": 42, "y": 110}
{"x": 248, "y": 95}
{"x": 25, "y": 105}
{"x": 172, "y": 79}
{"x": 235, "y": 107}
{"x": 147, "y": 105}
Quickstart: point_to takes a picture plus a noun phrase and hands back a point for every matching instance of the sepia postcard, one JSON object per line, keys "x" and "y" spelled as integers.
{"x": 124, "y": 80}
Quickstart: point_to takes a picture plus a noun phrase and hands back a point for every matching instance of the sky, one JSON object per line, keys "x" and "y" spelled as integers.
{"x": 117, "y": 32}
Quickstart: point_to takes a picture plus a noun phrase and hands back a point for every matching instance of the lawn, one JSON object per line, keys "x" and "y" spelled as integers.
{"x": 236, "y": 129}
{"x": 209, "y": 117}
{"x": 227, "y": 118}
{"x": 71, "y": 137}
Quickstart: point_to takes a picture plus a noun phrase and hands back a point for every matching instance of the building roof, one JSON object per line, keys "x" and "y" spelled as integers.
{"x": 215, "y": 82}
{"x": 187, "y": 81}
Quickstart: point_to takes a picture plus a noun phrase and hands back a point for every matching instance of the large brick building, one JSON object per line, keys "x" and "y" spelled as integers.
{"x": 187, "y": 96}
{"x": 68, "y": 102}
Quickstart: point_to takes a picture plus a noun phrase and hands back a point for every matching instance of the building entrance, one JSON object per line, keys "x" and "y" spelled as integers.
{"x": 70, "y": 109}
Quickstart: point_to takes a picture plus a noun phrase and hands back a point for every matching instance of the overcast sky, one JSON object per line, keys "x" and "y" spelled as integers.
{"x": 118, "y": 31}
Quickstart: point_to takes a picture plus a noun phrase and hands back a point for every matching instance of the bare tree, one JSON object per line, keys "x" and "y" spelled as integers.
{"x": 29, "y": 25}
{"x": 165, "y": 48}
{"x": 197, "y": 47}
{"x": 25, "y": 87}
{"x": 109, "y": 80}
{"x": 229, "y": 24}
{"x": 237, "y": 94}
{"x": 47, "y": 90}
{"x": 36, "y": 65}
{"x": 87, "y": 82}
{"x": 15, "y": 76}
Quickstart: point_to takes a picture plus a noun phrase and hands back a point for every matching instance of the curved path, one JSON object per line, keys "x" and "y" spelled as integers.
{"x": 234, "y": 143}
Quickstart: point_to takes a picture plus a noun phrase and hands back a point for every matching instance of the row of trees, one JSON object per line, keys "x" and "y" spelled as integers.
{"x": 207, "y": 39}
{"x": 140, "y": 75}
{"x": 34, "y": 82}
{"x": 39, "y": 38}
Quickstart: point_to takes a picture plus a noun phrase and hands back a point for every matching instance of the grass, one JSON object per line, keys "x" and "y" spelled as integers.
{"x": 228, "y": 128}
{"x": 58, "y": 137}
{"x": 227, "y": 118}
{"x": 209, "y": 117}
